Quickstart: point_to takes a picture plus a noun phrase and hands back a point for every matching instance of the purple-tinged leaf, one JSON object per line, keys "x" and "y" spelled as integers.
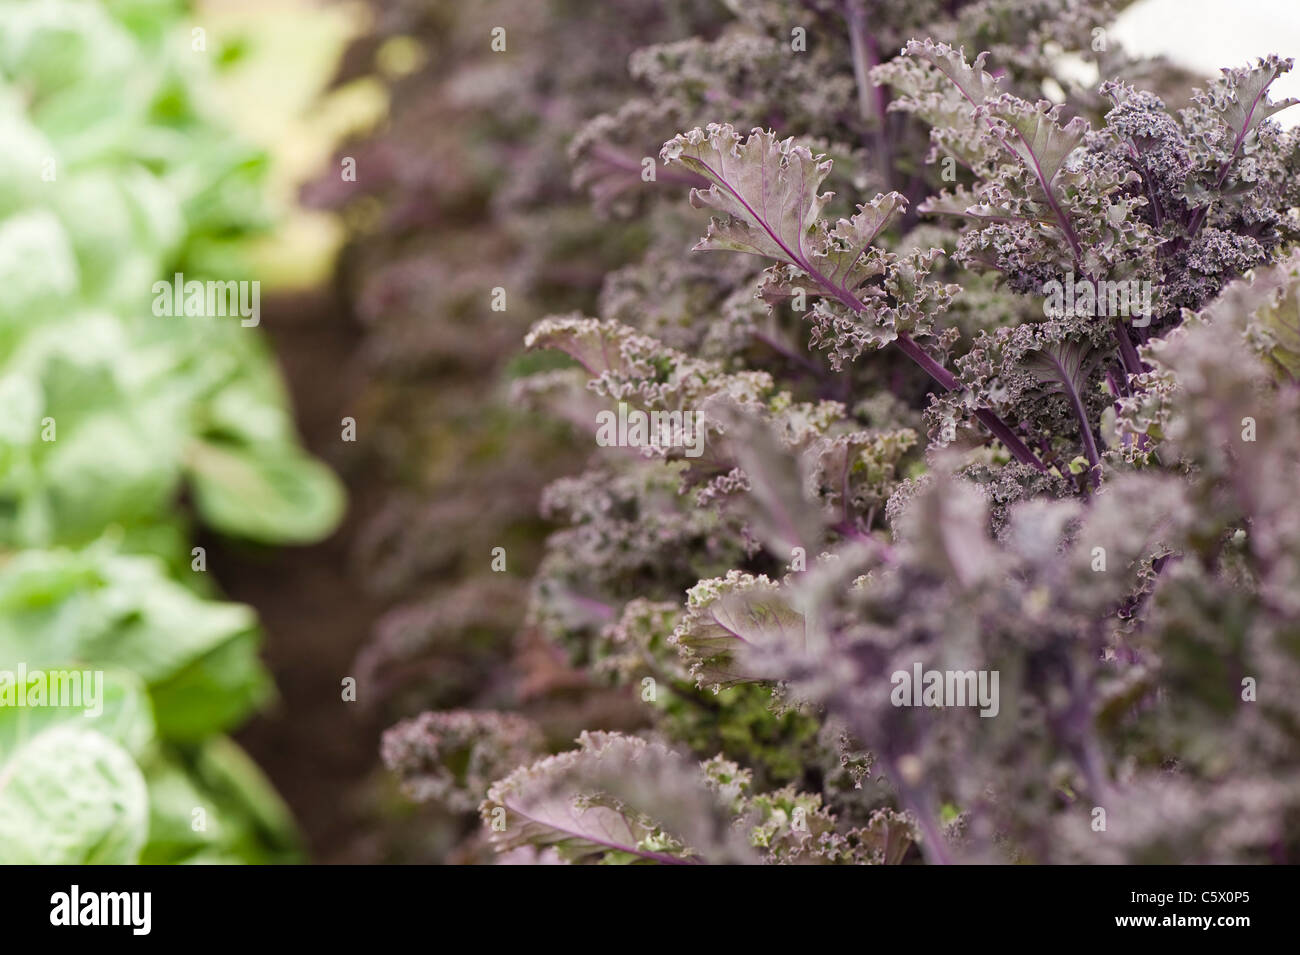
{"x": 765, "y": 188}
{"x": 728, "y": 616}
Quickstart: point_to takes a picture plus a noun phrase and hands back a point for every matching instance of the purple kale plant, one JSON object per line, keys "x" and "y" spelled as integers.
{"x": 989, "y": 550}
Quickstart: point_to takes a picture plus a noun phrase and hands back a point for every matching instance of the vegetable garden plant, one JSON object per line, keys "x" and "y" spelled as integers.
{"x": 918, "y": 457}
{"x": 990, "y": 332}
{"x": 119, "y": 430}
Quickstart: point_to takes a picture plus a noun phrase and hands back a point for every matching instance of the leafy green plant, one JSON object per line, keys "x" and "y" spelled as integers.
{"x": 114, "y": 176}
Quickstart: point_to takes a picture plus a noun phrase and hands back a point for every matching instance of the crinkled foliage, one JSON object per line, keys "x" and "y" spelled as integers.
{"x": 914, "y": 461}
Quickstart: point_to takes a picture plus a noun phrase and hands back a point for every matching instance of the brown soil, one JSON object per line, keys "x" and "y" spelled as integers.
{"x": 320, "y": 752}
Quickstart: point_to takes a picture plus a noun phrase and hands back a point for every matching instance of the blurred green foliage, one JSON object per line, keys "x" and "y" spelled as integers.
{"x": 113, "y": 176}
